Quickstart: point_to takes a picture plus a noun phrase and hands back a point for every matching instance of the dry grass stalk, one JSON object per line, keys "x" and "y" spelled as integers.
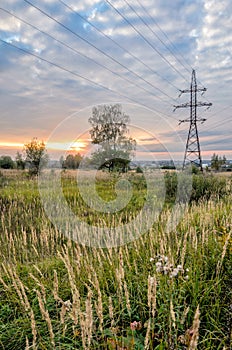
{"x": 111, "y": 312}
{"x": 184, "y": 248}
{"x": 27, "y": 344}
{"x": 186, "y": 311}
{"x": 3, "y": 283}
{"x": 147, "y": 338}
{"x": 128, "y": 306}
{"x": 33, "y": 329}
{"x": 89, "y": 317}
{"x": 99, "y": 307}
{"x": 40, "y": 285}
{"x": 83, "y": 331}
{"x": 151, "y": 294}
{"x": 195, "y": 330}
{"x": 46, "y": 317}
{"x": 56, "y": 287}
{"x": 74, "y": 314}
{"x": 64, "y": 308}
{"x": 20, "y": 289}
{"x": 219, "y": 264}
{"x": 38, "y": 270}
{"x": 75, "y": 292}
{"x": 86, "y": 322}
{"x": 172, "y": 313}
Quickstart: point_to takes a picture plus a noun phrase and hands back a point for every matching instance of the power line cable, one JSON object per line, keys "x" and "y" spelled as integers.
{"x": 92, "y": 45}
{"x": 81, "y": 54}
{"x": 162, "y": 42}
{"x": 166, "y": 36}
{"x": 116, "y": 43}
{"x": 146, "y": 40}
{"x": 79, "y": 76}
{"x": 170, "y": 42}
{"x": 222, "y": 122}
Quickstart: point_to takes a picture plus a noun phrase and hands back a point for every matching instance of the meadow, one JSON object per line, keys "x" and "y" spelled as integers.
{"x": 166, "y": 289}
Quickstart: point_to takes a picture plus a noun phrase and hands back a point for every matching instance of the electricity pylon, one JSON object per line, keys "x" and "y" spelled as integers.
{"x": 192, "y": 150}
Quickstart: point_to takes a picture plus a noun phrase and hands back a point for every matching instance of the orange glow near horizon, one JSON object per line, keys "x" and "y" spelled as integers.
{"x": 76, "y": 146}
{"x": 81, "y": 146}
{"x": 11, "y": 144}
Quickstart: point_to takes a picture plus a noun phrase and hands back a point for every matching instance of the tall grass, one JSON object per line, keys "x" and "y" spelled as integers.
{"x": 165, "y": 290}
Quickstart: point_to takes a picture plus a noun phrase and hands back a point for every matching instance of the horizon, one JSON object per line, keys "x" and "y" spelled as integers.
{"x": 60, "y": 59}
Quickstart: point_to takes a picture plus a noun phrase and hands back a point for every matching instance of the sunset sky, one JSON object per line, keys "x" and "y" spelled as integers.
{"x": 59, "y": 58}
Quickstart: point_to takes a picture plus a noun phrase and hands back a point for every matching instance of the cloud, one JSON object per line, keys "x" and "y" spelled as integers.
{"x": 35, "y": 95}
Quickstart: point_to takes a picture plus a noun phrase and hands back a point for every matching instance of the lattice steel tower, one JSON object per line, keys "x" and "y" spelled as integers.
{"x": 192, "y": 150}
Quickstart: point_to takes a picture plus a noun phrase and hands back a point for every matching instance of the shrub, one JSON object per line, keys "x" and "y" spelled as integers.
{"x": 203, "y": 186}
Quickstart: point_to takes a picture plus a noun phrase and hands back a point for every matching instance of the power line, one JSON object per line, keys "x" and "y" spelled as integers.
{"x": 221, "y": 110}
{"x": 192, "y": 149}
{"x": 117, "y": 44}
{"x": 145, "y": 39}
{"x": 166, "y": 36}
{"x": 81, "y": 54}
{"x": 170, "y": 42}
{"x": 92, "y": 45}
{"x": 79, "y": 75}
{"x": 154, "y": 33}
{"x": 222, "y": 122}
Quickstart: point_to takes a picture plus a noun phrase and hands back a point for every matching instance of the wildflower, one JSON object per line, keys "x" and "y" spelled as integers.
{"x": 135, "y": 325}
{"x": 165, "y": 259}
{"x": 67, "y": 304}
{"x": 174, "y": 273}
{"x": 165, "y": 270}
{"x": 152, "y": 259}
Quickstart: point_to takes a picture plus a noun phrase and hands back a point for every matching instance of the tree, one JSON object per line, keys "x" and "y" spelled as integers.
{"x": 20, "y": 162}
{"x": 36, "y": 155}
{"x": 6, "y": 162}
{"x": 109, "y": 128}
{"x": 217, "y": 162}
{"x": 72, "y": 161}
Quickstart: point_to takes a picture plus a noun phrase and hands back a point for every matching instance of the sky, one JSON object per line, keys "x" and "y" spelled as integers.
{"x": 59, "y": 58}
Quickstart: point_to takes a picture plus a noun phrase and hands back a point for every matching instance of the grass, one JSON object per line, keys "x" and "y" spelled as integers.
{"x": 164, "y": 290}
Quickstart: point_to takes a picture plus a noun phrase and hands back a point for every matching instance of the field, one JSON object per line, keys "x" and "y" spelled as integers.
{"x": 165, "y": 289}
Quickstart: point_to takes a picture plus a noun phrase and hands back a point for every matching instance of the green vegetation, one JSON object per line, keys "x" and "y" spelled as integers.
{"x": 6, "y": 162}
{"x": 71, "y": 161}
{"x": 109, "y": 132}
{"x": 35, "y": 155}
{"x": 165, "y": 290}
{"x": 217, "y": 162}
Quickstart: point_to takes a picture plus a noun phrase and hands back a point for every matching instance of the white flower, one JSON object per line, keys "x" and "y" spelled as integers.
{"x": 166, "y": 270}
{"x": 174, "y": 273}
{"x": 158, "y": 264}
{"x": 159, "y": 269}
{"x": 67, "y": 304}
{"x": 152, "y": 259}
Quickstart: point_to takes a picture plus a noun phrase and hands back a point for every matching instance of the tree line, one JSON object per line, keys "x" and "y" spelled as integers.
{"x": 109, "y": 133}
{"x": 114, "y": 149}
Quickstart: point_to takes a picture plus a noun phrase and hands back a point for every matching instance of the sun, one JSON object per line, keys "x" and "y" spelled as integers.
{"x": 78, "y": 146}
